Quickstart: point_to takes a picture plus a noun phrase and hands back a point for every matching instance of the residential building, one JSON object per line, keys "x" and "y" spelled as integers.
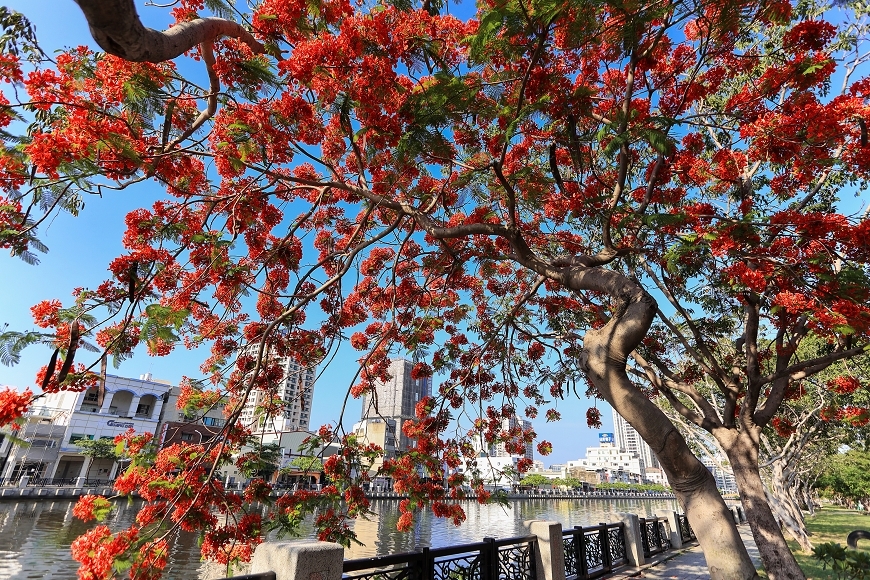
{"x": 289, "y": 445}
{"x": 381, "y": 432}
{"x": 611, "y": 463}
{"x": 296, "y": 390}
{"x": 53, "y": 428}
{"x": 722, "y": 473}
{"x": 394, "y": 402}
{"x": 494, "y": 472}
{"x": 178, "y": 426}
{"x": 508, "y": 423}
{"x": 630, "y": 441}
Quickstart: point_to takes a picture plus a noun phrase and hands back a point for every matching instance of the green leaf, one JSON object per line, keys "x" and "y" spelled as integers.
{"x": 490, "y": 25}
{"x": 659, "y": 141}
{"x": 844, "y": 329}
{"x": 615, "y": 144}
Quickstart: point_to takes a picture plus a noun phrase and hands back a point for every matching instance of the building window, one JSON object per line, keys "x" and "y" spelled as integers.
{"x": 143, "y": 409}
{"x": 78, "y": 437}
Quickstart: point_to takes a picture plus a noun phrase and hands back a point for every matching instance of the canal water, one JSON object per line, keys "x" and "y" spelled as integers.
{"x": 35, "y": 535}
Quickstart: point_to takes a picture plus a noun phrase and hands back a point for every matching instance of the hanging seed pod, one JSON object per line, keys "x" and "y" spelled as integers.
{"x": 101, "y": 390}
{"x": 52, "y": 362}
{"x": 131, "y": 281}
{"x": 70, "y": 351}
{"x": 574, "y": 144}
{"x": 554, "y": 167}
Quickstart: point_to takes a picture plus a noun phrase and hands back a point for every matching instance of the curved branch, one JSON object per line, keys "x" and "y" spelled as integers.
{"x": 116, "y": 27}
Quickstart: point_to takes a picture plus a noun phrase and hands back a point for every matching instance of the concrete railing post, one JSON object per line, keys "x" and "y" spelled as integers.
{"x": 22, "y": 483}
{"x": 299, "y": 560}
{"x": 80, "y": 482}
{"x": 676, "y": 535}
{"x": 550, "y": 555}
{"x": 633, "y": 541}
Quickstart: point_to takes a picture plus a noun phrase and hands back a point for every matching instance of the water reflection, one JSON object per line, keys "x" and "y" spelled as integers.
{"x": 35, "y": 535}
{"x": 380, "y": 536}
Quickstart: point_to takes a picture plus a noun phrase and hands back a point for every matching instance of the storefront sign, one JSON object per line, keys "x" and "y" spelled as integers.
{"x": 112, "y": 423}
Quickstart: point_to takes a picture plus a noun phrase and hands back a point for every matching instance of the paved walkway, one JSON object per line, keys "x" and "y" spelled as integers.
{"x": 687, "y": 563}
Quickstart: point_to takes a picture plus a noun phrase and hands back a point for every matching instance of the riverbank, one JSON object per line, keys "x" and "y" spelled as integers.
{"x": 35, "y": 536}
{"x": 37, "y": 491}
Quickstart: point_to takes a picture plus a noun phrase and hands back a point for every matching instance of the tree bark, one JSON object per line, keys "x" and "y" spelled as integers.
{"x": 116, "y": 27}
{"x": 779, "y": 562}
{"x": 784, "y": 506}
{"x": 605, "y": 353}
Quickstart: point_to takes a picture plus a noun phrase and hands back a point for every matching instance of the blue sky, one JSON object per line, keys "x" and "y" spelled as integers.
{"x": 81, "y": 248}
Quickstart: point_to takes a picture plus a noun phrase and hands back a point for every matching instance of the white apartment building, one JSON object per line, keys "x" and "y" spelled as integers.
{"x": 630, "y": 441}
{"x": 723, "y": 475}
{"x": 498, "y": 449}
{"x": 296, "y": 390}
{"x": 613, "y": 464}
{"x": 53, "y": 428}
{"x": 495, "y": 472}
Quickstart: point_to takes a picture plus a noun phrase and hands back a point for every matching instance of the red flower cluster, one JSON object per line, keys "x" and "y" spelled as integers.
{"x": 13, "y": 405}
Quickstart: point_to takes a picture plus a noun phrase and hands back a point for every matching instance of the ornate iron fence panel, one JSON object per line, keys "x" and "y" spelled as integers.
{"x": 616, "y": 538}
{"x": 463, "y": 567}
{"x": 407, "y": 566}
{"x": 570, "y": 544}
{"x": 593, "y": 552}
{"x": 516, "y": 561}
{"x": 511, "y": 559}
{"x": 654, "y": 536}
{"x": 686, "y": 531}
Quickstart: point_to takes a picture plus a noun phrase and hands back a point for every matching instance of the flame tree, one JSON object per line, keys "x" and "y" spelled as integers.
{"x": 501, "y": 196}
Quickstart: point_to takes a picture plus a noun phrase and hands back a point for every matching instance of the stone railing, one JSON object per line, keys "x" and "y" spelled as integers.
{"x": 548, "y": 553}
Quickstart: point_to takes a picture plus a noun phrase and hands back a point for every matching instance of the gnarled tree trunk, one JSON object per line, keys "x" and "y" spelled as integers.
{"x": 742, "y": 452}
{"x": 785, "y": 507}
{"x": 605, "y": 352}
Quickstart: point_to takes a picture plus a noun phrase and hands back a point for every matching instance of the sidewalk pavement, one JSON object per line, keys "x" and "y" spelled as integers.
{"x": 685, "y": 563}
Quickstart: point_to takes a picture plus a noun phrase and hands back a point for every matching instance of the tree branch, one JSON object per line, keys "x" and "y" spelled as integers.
{"x": 116, "y": 27}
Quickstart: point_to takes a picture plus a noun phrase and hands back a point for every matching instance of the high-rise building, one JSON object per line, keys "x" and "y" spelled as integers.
{"x": 391, "y": 404}
{"x": 296, "y": 390}
{"x": 630, "y": 441}
{"x": 508, "y": 423}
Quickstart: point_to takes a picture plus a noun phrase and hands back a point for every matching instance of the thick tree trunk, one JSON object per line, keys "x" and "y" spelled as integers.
{"x": 792, "y": 525}
{"x": 807, "y": 495}
{"x": 784, "y": 506}
{"x": 778, "y": 560}
{"x": 605, "y": 354}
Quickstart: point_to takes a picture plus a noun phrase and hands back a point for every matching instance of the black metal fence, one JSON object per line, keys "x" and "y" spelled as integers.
{"x": 509, "y": 559}
{"x": 687, "y": 534}
{"x": 594, "y": 551}
{"x": 654, "y": 536}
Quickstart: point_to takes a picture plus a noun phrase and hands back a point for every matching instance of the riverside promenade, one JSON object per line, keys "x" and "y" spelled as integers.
{"x": 684, "y": 564}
